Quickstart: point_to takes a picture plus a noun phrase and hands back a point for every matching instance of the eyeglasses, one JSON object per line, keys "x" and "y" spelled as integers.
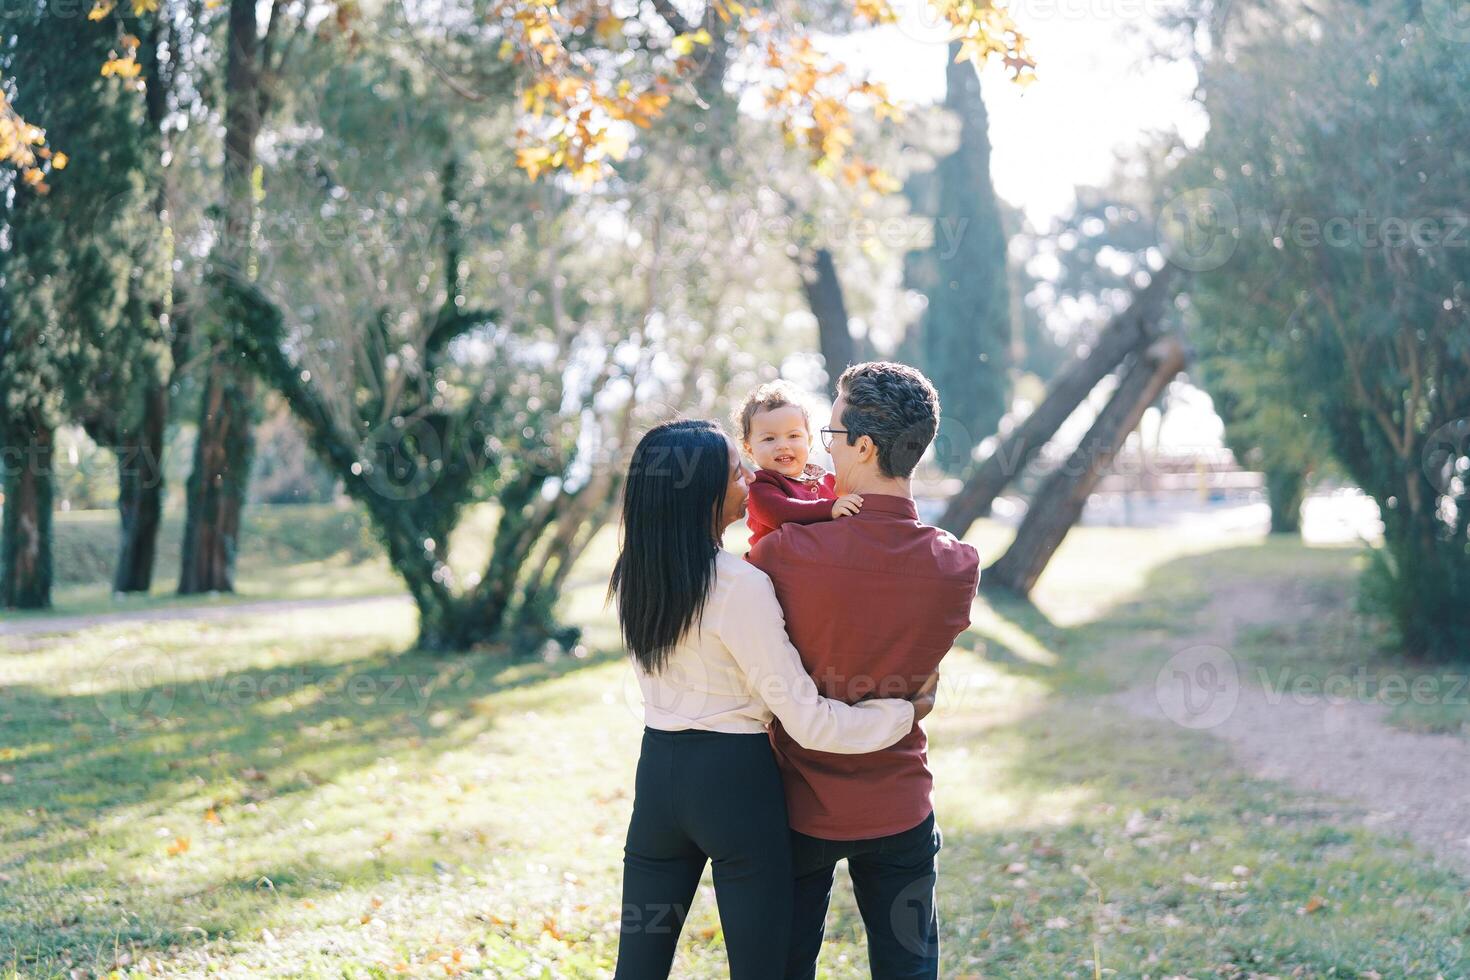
{"x": 827, "y": 435}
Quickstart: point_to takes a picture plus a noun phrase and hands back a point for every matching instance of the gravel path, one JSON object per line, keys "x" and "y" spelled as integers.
{"x": 1335, "y": 747}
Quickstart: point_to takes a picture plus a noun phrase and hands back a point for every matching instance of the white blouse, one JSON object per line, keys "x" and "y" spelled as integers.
{"x": 735, "y": 668}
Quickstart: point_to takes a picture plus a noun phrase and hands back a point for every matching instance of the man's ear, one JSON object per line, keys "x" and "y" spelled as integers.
{"x": 867, "y": 448}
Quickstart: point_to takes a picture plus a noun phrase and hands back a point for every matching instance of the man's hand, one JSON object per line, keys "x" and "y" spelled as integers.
{"x": 923, "y": 699}
{"x": 847, "y": 505}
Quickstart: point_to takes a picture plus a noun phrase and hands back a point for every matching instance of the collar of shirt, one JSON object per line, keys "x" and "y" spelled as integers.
{"x": 888, "y": 503}
{"x": 786, "y": 482}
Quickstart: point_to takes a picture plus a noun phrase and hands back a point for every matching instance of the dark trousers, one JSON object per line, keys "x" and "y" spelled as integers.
{"x": 706, "y": 796}
{"x": 893, "y": 878}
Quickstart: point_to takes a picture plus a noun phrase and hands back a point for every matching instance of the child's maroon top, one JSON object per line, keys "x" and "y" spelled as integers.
{"x": 776, "y": 499}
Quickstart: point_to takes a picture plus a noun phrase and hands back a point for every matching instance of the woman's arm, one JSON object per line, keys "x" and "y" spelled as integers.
{"x": 752, "y": 626}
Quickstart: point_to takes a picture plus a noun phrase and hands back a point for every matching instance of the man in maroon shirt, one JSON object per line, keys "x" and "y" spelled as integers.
{"x": 873, "y": 602}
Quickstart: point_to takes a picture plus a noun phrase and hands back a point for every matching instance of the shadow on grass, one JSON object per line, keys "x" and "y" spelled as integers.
{"x": 81, "y": 764}
{"x": 80, "y": 769}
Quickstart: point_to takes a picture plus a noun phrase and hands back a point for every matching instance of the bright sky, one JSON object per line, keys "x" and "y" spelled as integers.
{"x": 1096, "y": 94}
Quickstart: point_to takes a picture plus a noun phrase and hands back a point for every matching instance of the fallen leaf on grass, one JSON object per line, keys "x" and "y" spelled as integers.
{"x": 179, "y": 846}
{"x": 1314, "y": 904}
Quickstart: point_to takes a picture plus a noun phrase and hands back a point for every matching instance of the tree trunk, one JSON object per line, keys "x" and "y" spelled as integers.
{"x": 1059, "y": 502}
{"x": 140, "y": 495}
{"x": 823, "y": 289}
{"x": 1285, "y": 489}
{"x": 25, "y": 540}
{"x": 216, "y": 489}
{"x": 1127, "y": 332}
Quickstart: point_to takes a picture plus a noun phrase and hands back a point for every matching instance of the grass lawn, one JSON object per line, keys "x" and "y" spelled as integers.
{"x": 294, "y": 796}
{"x": 286, "y": 552}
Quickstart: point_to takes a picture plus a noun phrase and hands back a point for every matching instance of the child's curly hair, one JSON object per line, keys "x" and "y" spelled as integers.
{"x": 768, "y": 397}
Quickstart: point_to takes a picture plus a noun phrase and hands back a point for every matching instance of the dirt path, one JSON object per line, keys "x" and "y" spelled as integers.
{"x": 39, "y": 625}
{"x": 1337, "y": 747}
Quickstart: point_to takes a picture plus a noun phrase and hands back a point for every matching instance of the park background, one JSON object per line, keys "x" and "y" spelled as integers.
{"x": 326, "y": 328}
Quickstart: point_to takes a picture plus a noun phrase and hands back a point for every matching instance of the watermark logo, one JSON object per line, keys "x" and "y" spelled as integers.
{"x": 402, "y": 458}
{"x": 913, "y": 919}
{"x": 1450, "y": 19}
{"x": 1447, "y": 456}
{"x": 128, "y": 689}
{"x": 1199, "y": 229}
{"x": 1198, "y": 687}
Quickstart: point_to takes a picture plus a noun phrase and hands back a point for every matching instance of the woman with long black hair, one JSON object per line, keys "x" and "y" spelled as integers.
{"x": 714, "y": 662}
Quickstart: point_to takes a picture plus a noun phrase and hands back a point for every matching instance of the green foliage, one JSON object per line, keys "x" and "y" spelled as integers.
{"x": 87, "y": 267}
{"x": 1253, "y": 393}
{"x": 88, "y": 258}
{"x": 1332, "y": 183}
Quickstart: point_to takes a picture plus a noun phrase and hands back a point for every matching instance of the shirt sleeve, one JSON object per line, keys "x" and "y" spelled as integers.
{"x": 753, "y": 628}
{"x": 769, "y": 504}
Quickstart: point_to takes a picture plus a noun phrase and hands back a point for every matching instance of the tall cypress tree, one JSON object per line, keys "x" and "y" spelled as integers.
{"x": 965, "y": 334}
{"x": 71, "y": 276}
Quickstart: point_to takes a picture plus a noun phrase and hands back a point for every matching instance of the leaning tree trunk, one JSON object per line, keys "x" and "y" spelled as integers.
{"x": 1125, "y": 333}
{"x": 216, "y": 489}
{"x": 1059, "y": 502}
{"x": 25, "y": 542}
{"x": 823, "y": 289}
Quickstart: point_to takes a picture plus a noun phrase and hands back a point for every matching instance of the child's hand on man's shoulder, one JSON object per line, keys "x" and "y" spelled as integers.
{"x": 847, "y": 505}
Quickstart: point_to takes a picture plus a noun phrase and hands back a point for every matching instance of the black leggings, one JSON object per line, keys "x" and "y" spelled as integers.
{"x": 706, "y": 796}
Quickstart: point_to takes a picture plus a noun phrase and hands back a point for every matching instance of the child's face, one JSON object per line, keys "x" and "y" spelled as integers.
{"x": 779, "y": 440}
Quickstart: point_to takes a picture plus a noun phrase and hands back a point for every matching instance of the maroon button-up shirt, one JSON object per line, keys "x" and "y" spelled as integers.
{"x": 873, "y": 602}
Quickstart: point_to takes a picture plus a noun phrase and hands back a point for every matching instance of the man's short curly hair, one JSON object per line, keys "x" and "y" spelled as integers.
{"x": 895, "y": 406}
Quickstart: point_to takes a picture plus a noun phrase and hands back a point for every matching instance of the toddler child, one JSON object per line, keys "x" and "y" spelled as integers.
{"x": 775, "y": 432}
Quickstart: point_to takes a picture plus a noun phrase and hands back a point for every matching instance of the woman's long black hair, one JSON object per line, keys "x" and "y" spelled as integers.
{"x": 672, "y": 502}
